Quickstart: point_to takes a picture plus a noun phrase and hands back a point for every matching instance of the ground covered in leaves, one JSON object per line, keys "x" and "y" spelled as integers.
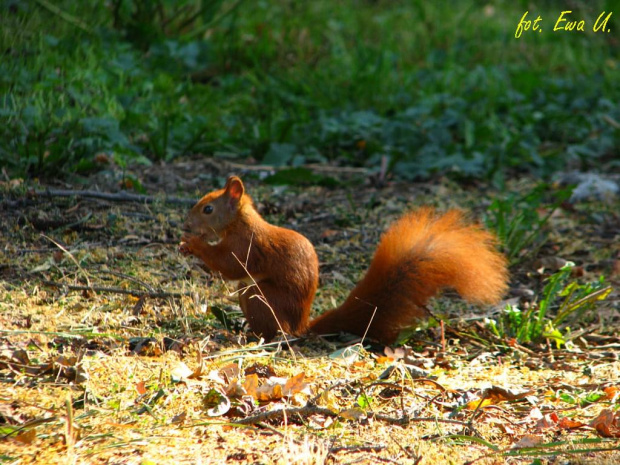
{"x": 116, "y": 349}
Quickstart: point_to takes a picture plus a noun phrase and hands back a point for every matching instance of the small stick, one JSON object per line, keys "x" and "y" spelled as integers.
{"x": 129, "y": 278}
{"x": 443, "y": 336}
{"x": 403, "y": 421}
{"x": 310, "y": 409}
{"x": 70, "y": 255}
{"x": 279, "y": 414}
{"x": 370, "y": 448}
{"x": 114, "y": 197}
{"x": 116, "y": 290}
{"x": 279, "y": 433}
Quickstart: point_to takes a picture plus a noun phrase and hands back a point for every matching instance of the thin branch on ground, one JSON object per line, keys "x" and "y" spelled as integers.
{"x": 113, "y": 197}
{"x": 276, "y": 432}
{"x": 310, "y": 409}
{"x": 304, "y": 411}
{"x": 116, "y": 290}
{"x": 368, "y": 448}
{"x": 129, "y": 278}
{"x": 405, "y": 420}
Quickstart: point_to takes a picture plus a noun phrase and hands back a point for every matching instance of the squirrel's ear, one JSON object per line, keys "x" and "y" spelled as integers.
{"x": 234, "y": 189}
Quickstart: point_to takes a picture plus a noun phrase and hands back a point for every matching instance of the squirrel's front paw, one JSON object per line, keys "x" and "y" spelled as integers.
{"x": 185, "y": 249}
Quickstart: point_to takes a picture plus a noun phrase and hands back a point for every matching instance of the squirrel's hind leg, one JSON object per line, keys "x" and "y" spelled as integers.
{"x": 263, "y": 303}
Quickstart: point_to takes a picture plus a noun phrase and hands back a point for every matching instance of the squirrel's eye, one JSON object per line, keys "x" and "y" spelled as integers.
{"x": 208, "y": 209}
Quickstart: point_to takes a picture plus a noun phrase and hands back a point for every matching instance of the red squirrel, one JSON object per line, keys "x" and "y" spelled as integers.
{"x": 420, "y": 254}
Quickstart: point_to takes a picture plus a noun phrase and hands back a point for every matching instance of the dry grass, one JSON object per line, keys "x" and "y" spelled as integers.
{"x": 95, "y": 377}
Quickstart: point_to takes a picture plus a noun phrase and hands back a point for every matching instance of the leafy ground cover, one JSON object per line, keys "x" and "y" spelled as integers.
{"x": 116, "y": 349}
{"x": 429, "y": 87}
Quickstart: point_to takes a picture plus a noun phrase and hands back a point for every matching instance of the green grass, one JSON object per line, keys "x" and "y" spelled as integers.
{"x": 570, "y": 300}
{"x": 518, "y": 222}
{"x": 433, "y": 87}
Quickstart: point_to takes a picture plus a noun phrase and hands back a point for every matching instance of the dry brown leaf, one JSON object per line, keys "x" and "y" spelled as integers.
{"x": 294, "y": 385}
{"x": 26, "y": 437}
{"x": 230, "y": 371}
{"x": 567, "y": 423}
{"x": 262, "y": 371}
{"x": 495, "y": 395}
{"x": 552, "y": 264}
{"x": 329, "y": 233}
{"x": 394, "y": 354}
{"x": 180, "y": 372}
{"x": 478, "y": 403}
{"x": 141, "y": 387}
{"x": 320, "y": 422}
{"x": 180, "y": 418}
{"x": 353, "y": 414}
{"x": 268, "y": 392}
{"x": 197, "y": 373}
{"x": 250, "y": 385}
{"x": 10, "y": 414}
{"x": 102, "y": 158}
{"x": 529, "y": 440}
{"x": 216, "y": 376}
{"x": 535, "y": 414}
{"x": 499, "y": 394}
{"x": 14, "y": 356}
{"x": 145, "y": 346}
{"x": 607, "y": 424}
{"x": 611, "y": 393}
{"x": 506, "y": 428}
{"x": 550, "y": 420}
{"x": 234, "y": 389}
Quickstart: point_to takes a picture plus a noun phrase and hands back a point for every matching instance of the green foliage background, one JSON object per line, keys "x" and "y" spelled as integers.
{"x": 434, "y": 86}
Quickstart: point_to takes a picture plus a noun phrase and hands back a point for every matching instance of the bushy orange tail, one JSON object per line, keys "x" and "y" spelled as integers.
{"x": 418, "y": 255}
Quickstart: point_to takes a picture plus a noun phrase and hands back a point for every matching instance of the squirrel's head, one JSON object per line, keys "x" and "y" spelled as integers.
{"x": 216, "y": 211}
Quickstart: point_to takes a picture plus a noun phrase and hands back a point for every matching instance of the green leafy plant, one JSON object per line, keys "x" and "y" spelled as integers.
{"x": 364, "y": 401}
{"x": 517, "y": 220}
{"x": 293, "y": 83}
{"x": 580, "y": 398}
{"x": 538, "y": 322}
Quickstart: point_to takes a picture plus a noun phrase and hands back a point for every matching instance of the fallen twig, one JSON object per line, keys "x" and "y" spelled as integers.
{"x": 279, "y": 414}
{"x": 114, "y": 197}
{"x": 403, "y": 421}
{"x": 311, "y": 409}
{"x": 129, "y": 278}
{"x": 116, "y": 290}
{"x": 28, "y": 425}
{"x": 275, "y": 431}
{"x": 369, "y": 448}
